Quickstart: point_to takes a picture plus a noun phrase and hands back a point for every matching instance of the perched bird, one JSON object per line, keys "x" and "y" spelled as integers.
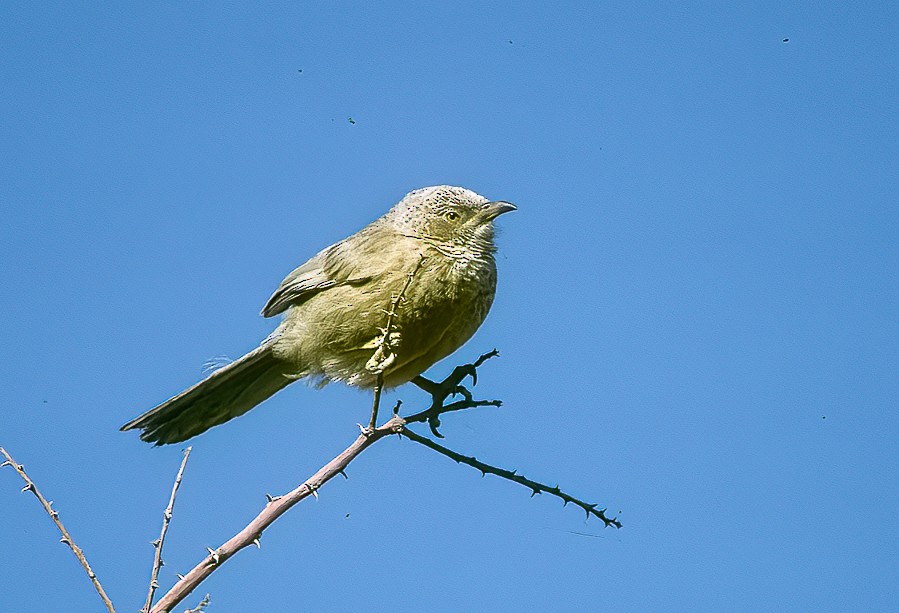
{"x": 429, "y": 258}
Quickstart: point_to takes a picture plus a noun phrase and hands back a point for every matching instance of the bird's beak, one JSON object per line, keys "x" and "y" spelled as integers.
{"x": 494, "y": 209}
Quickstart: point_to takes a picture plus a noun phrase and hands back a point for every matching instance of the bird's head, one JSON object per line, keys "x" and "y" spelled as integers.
{"x": 453, "y": 217}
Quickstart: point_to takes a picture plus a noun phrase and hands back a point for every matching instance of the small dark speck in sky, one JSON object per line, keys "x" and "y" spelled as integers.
{"x": 351, "y": 120}
{"x": 786, "y": 40}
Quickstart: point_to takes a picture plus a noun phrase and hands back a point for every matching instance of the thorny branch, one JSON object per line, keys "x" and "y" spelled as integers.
{"x": 157, "y": 544}
{"x": 66, "y": 537}
{"x": 512, "y": 475}
{"x": 384, "y": 356}
{"x": 276, "y": 506}
{"x": 451, "y": 386}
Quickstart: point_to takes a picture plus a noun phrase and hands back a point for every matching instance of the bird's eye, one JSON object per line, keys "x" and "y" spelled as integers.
{"x": 452, "y": 215}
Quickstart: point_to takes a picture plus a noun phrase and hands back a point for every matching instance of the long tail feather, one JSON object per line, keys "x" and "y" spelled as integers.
{"x": 227, "y": 393}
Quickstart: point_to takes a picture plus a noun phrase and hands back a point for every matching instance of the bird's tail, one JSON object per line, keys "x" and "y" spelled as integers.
{"x": 228, "y": 392}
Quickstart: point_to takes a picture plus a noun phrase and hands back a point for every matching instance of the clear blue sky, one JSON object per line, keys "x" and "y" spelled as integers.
{"x": 697, "y": 306}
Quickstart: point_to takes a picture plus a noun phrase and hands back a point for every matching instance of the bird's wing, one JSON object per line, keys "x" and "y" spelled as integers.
{"x": 351, "y": 261}
{"x": 299, "y": 285}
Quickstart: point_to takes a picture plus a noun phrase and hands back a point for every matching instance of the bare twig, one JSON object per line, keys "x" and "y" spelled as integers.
{"x": 493, "y": 353}
{"x": 200, "y": 607}
{"x": 275, "y": 507}
{"x": 452, "y": 385}
{"x": 157, "y": 544}
{"x": 511, "y": 475}
{"x": 459, "y": 405}
{"x": 376, "y": 403}
{"x": 278, "y": 505}
{"x": 384, "y": 356}
{"x": 66, "y": 537}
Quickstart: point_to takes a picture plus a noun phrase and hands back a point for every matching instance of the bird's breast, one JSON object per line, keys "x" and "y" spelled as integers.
{"x": 334, "y": 334}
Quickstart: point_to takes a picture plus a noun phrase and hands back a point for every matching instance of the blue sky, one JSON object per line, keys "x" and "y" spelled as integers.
{"x": 696, "y": 308}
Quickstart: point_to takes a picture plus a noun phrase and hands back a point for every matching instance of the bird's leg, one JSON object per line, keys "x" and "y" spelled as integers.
{"x": 450, "y": 386}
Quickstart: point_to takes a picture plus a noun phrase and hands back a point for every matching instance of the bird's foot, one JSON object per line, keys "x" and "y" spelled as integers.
{"x": 384, "y": 355}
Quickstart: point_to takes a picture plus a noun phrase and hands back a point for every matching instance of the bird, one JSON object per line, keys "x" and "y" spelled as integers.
{"x": 377, "y": 308}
